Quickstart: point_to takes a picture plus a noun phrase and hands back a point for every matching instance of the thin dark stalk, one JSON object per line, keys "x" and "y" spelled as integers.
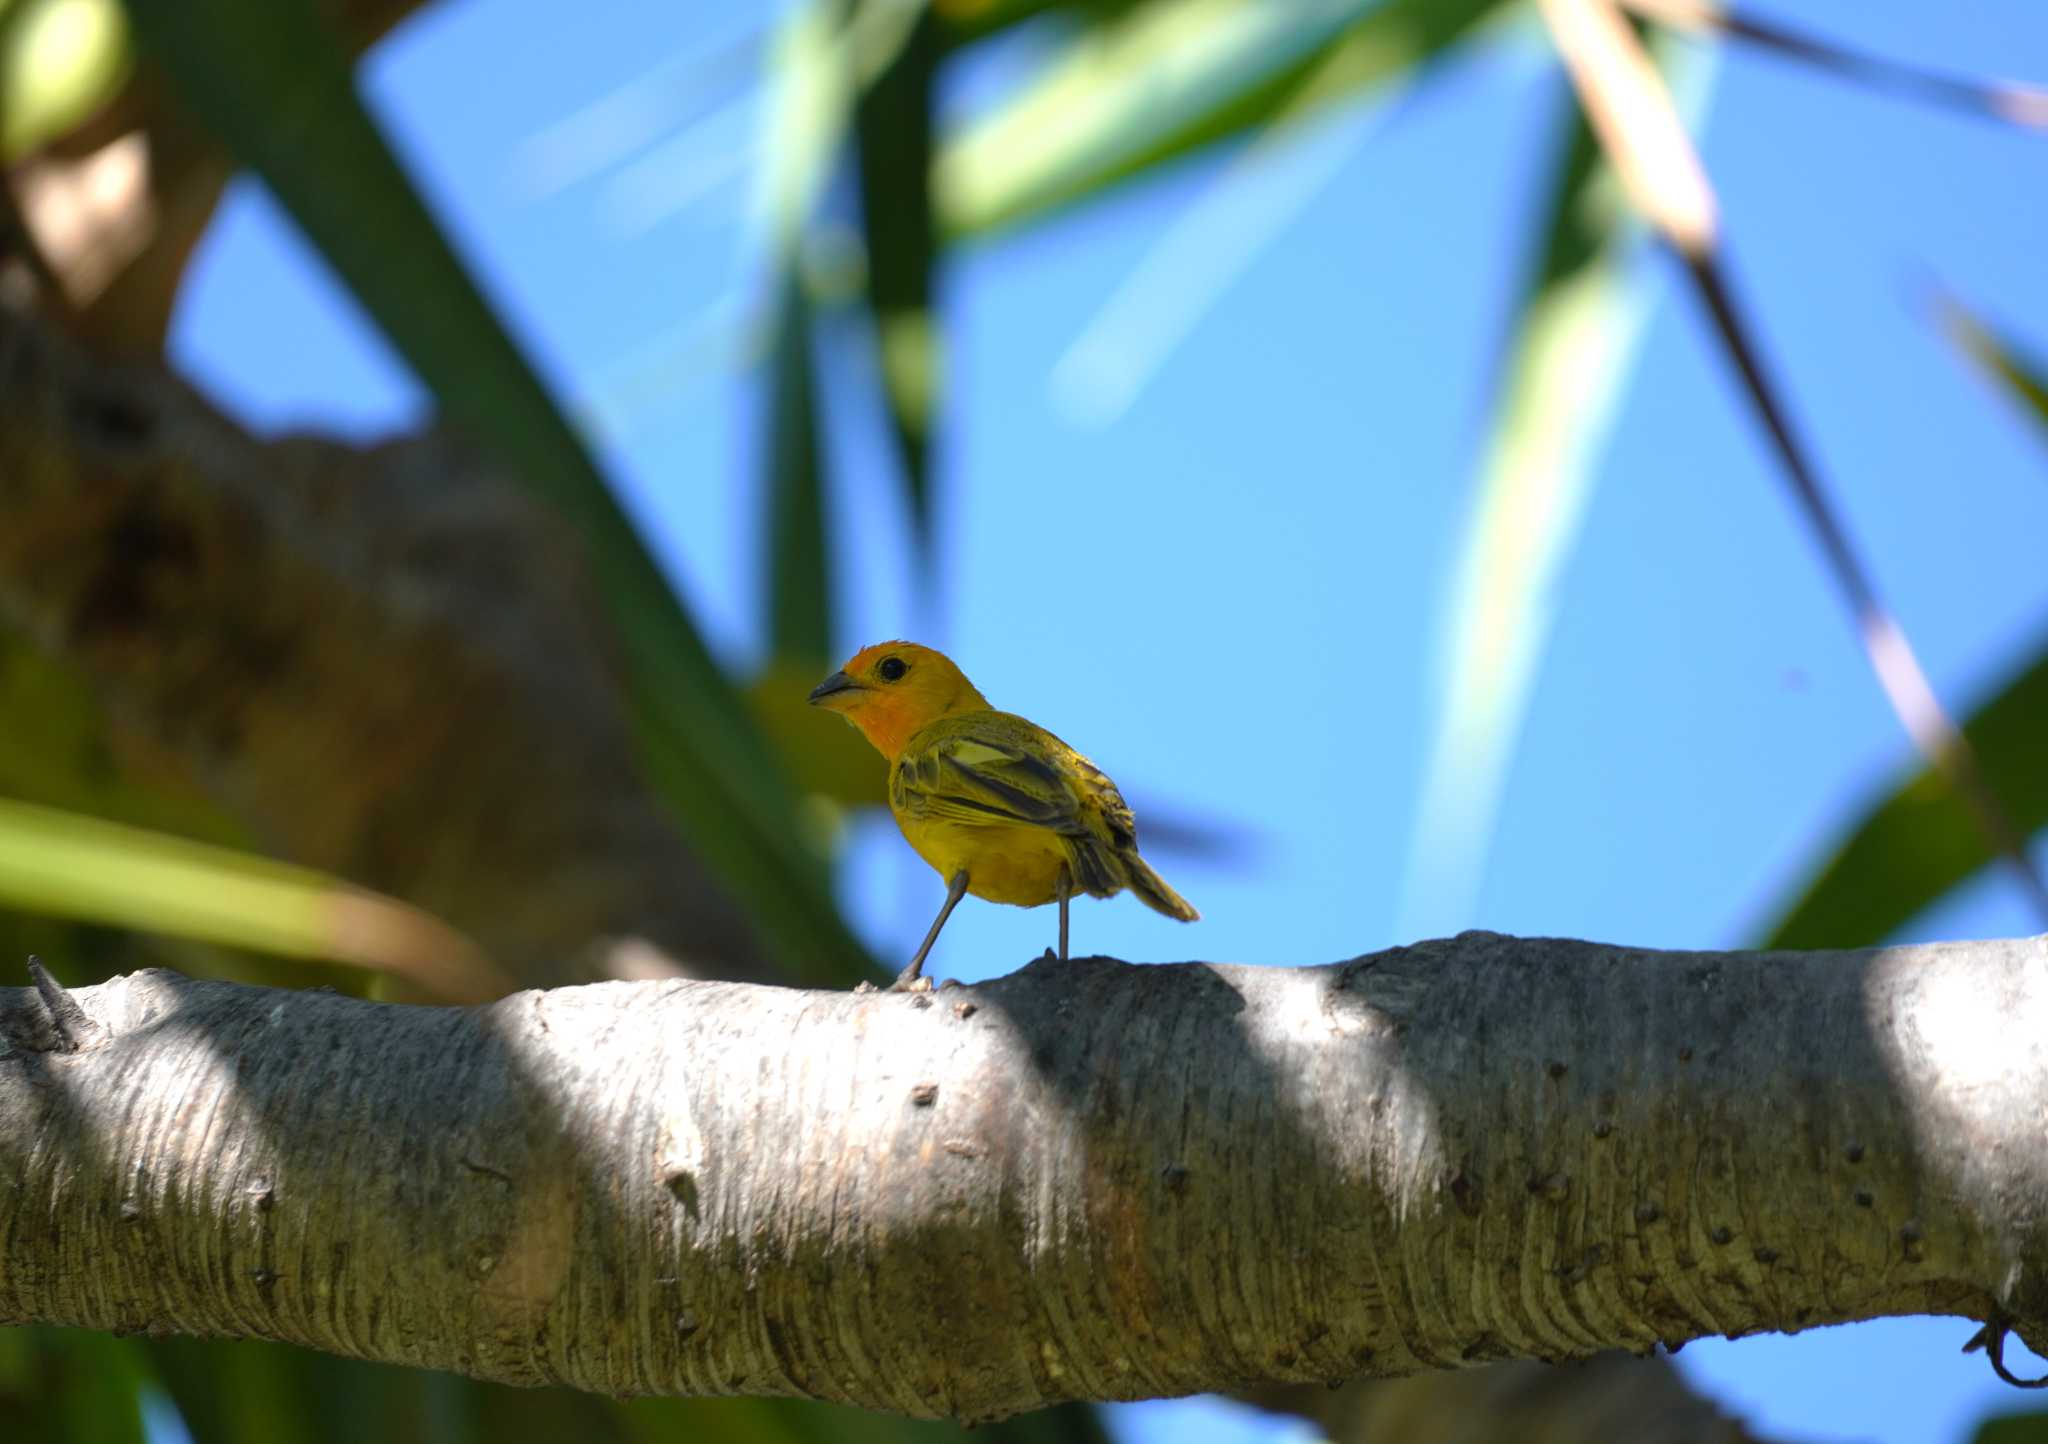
{"x": 2014, "y": 104}
{"x": 1891, "y": 656}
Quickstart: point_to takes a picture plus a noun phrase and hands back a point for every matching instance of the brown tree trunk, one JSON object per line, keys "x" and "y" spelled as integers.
{"x": 381, "y": 660}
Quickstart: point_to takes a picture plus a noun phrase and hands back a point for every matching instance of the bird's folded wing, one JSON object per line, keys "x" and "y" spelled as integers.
{"x": 971, "y": 779}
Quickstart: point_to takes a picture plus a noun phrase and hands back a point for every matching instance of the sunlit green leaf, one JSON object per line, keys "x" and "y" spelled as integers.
{"x": 273, "y": 84}
{"x": 1165, "y": 79}
{"x": 60, "y": 60}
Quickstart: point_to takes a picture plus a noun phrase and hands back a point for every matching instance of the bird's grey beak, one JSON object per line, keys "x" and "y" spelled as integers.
{"x": 833, "y": 685}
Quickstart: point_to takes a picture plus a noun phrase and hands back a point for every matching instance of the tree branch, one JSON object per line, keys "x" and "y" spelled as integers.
{"x": 1082, "y": 1181}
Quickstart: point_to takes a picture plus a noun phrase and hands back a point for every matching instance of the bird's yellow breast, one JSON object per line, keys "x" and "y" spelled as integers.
{"x": 1005, "y": 863}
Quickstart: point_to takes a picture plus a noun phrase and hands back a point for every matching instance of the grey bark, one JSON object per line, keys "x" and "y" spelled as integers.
{"x": 1082, "y": 1181}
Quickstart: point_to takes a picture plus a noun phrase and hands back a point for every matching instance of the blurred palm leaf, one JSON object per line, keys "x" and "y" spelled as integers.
{"x": 893, "y": 146}
{"x": 799, "y": 556}
{"x": 266, "y": 77}
{"x": 810, "y": 81}
{"x": 1163, "y": 79}
{"x": 1566, "y": 367}
{"x": 970, "y": 21}
{"x": 65, "y": 864}
{"x": 1907, "y": 851}
{"x": 62, "y": 749}
{"x": 865, "y": 68}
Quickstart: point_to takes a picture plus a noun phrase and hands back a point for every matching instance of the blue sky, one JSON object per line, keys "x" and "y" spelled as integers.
{"x": 1228, "y": 591}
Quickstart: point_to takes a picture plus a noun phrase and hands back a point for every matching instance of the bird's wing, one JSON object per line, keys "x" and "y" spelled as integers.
{"x": 974, "y": 771}
{"x": 1112, "y": 812}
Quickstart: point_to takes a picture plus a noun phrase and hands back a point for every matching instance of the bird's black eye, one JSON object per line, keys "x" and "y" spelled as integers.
{"x": 892, "y": 669}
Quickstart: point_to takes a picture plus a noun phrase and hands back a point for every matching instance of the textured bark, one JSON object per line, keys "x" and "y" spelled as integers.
{"x": 1082, "y": 1181}
{"x": 380, "y": 660}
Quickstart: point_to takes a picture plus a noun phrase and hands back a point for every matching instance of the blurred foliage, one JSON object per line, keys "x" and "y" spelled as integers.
{"x": 799, "y": 572}
{"x": 60, "y": 62}
{"x": 1122, "y": 90}
{"x": 894, "y": 129}
{"x": 1580, "y": 317}
{"x": 2010, "y": 368}
{"x": 64, "y": 750}
{"x": 1144, "y": 85}
{"x": 66, "y": 864}
{"x": 2028, "y": 1428}
{"x": 68, "y": 1386}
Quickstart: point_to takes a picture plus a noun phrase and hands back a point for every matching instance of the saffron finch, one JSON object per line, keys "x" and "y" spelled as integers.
{"x": 996, "y": 804}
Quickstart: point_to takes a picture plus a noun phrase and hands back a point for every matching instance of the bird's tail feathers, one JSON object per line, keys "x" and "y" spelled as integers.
{"x": 1152, "y": 888}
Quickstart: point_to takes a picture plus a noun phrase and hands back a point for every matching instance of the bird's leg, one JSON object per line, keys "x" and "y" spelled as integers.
{"x": 1064, "y": 887}
{"x": 955, "y": 890}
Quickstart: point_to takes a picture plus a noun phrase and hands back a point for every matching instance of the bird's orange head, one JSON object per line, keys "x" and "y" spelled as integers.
{"x": 892, "y": 689}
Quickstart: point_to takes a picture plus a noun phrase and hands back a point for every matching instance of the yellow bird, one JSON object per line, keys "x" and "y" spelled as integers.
{"x": 996, "y": 804}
